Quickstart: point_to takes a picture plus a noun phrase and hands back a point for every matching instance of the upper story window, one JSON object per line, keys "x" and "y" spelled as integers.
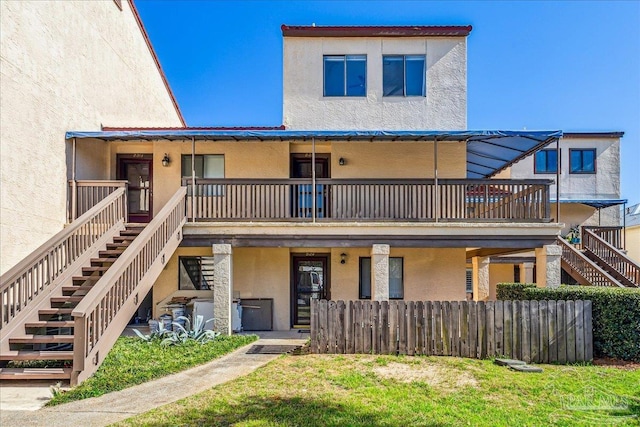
{"x": 345, "y": 75}
{"x": 403, "y": 75}
{"x": 582, "y": 160}
{"x": 207, "y": 165}
{"x": 546, "y": 161}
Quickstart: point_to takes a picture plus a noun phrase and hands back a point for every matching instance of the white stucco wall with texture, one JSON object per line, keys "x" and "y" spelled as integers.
{"x": 444, "y": 107}
{"x": 603, "y": 184}
{"x": 64, "y": 66}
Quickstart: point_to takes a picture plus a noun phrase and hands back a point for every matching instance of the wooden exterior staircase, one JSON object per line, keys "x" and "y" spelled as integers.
{"x": 63, "y": 307}
{"x": 600, "y": 261}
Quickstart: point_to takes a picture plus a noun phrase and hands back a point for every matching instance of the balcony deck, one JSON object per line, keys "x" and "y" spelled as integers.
{"x": 369, "y": 200}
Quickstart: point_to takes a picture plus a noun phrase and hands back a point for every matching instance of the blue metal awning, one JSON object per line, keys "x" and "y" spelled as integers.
{"x": 598, "y": 204}
{"x": 488, "y": 151}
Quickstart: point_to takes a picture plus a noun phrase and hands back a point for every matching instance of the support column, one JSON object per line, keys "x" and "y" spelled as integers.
{"x": 380, "y": 272}
{"x": 222, "y": 288}
{"x": 548, "y": 268}
{"x": 526, "y": 275}
{"x": 480, "y": 278}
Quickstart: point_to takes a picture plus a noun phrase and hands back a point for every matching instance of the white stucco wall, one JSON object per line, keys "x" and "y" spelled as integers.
{"x": 64, "y": 66}
{"x": 604, "y": 184}
{"x": 443, "y": 108}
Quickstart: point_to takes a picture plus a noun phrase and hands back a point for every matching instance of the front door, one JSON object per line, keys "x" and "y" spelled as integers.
{"x": 310, "y": 281}
{"x": 302, "y": 203}
{"x": 137, "y": 170}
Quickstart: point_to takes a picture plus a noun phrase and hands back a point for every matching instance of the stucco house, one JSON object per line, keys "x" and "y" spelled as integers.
{"x": 632, "y": 231}
{"x": 54, "y": 78}
{"x": 373, "y": 188}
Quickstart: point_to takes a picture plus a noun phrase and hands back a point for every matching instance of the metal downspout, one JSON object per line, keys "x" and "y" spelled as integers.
{"x": 313, "y": 179}
{"x": 558, "y": 180}
{"x": 435, "y": 177}
{"x": 193, "y": 179}
{"x": 74, "y": 184}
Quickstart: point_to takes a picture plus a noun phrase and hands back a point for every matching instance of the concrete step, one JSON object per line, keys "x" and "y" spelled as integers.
{"x": 35, "y": 373}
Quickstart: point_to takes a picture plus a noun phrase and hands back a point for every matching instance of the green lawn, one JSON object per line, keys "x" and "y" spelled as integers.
{"x": 362, "y": 390}
{"x": 132, "y": 361}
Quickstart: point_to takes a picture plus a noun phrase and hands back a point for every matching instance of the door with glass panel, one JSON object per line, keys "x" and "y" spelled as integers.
{"x": 137, "y": 170}
{"x": 310, "y": 281}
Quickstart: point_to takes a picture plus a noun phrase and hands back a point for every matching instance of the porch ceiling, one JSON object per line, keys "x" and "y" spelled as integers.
{"x": 488, "y": 151}
{"x": 412, "y": 235}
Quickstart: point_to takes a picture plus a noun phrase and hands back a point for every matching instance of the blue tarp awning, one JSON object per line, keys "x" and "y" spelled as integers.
{"x": 598, "y": 204}
{"x": 488, "y": 151}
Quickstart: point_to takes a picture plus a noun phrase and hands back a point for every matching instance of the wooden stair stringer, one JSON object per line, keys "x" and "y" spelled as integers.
{"x": 42, "y": 301}
{"x": 128, "y": 309}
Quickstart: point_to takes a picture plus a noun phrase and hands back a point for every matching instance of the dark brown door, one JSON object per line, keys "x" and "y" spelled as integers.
{"x": 310, "y": 279}
{"x": 137, "y": 170}
{"x": 302, "y": 203}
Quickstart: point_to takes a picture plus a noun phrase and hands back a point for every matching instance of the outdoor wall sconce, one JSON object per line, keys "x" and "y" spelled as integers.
{"x": 343, "y": 258}
{"x": 342, "y": 161}
{"x": 166, "y": 160}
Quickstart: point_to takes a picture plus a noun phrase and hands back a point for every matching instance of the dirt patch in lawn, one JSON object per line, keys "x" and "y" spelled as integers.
{"x": 440, "y": 377}
{"x": 616, "y": 363}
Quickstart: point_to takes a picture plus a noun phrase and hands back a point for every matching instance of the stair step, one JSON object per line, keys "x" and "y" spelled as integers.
{"x": 42, "y": 339}
{"x": 82, "y": 279}
{"x": 110, "y": 252}
{"x": 36, "y": 355}
{"x": 128, "y": 238}
{"x": 66, "y": 299}
{"x": 93, "y": 269}
{"x": 111, "y": 246}
{"x": 55, "y": 311}
{"x": 103, "y": 260}
{"x": 50, "y": 324}
{"x": 72, "y": 289}
{"x": 35, "y": 373}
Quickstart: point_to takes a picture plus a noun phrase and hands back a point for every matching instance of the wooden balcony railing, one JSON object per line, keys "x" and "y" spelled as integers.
{"x": 107, "y": 308}
{"x": 612, "y": 235}
{"x": 621, "y": 266}
{"x": 85, "y": 194}
{"x": 369, "y": 200}
{"x": 29, "y": 280}
{"x": 587, "y": 271}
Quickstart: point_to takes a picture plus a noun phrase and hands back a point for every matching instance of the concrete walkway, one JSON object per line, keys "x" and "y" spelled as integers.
{"x": 116, "y": 406}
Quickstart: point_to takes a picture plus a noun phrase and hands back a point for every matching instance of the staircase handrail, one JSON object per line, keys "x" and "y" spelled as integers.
{"x": 38, "y": 270}
{"x": 586, "y": 267}
{"x": 98, "y": 309}
{"x": 625, "y": 266}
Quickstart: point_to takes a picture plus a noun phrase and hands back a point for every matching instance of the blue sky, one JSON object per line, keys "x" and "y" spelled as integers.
{"x": 572, "y": 65}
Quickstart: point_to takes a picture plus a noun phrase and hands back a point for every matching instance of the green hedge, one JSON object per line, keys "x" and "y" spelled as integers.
{"x": 616, "y": 313}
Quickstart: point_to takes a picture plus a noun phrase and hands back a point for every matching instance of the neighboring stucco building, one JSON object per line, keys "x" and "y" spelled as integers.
{"x": 589, "y": 177}
{"x": 632, "y": 232}
{"x": 66, "y": 65}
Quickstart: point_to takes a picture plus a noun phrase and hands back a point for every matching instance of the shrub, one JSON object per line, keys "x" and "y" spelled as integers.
{"x": 616, "y": 313}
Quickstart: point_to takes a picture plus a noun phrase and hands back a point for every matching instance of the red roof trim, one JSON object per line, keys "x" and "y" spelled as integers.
{"x": 592, "y": 134}
{"x": 155, "y": 59}
{"x": 222, "y": 128}
{"x": 376, "y": 31}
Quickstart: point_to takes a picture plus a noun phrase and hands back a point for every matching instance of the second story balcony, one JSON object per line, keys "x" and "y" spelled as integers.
{"x": 373, "y": 200}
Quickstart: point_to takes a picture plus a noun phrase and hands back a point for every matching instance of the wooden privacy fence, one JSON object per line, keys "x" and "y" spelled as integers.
{"x": 533, "y": 331}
